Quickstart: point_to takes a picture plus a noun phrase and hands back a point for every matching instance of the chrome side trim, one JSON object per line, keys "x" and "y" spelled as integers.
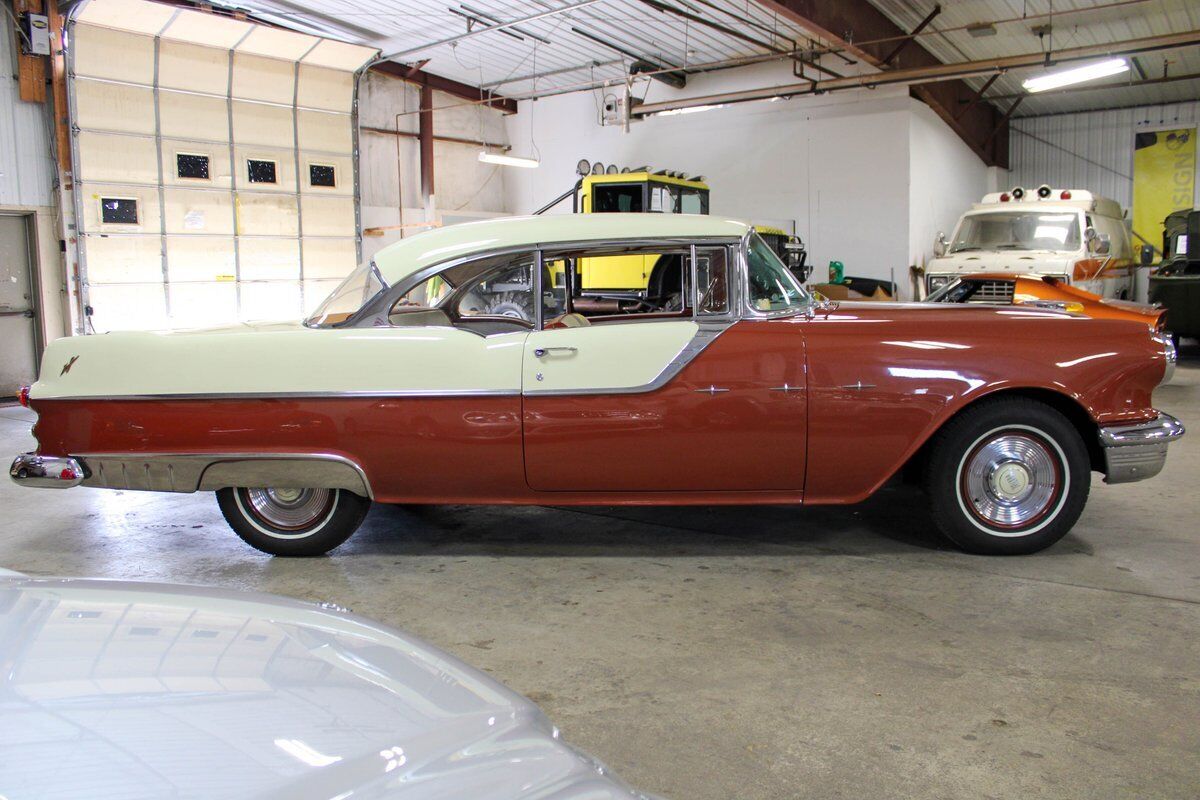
{"x": 1139, "y": 451}
{"x": 366, "y": 394}
{"x": 46, "y": 472}
{"x": 707, "y": 332}
{"x": 191, "y": 472}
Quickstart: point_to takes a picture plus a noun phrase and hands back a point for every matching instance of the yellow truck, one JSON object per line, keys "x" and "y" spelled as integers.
{"x": 624, "y": 279}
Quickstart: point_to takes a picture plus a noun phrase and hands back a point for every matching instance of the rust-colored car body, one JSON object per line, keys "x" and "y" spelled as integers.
{"x": 871, "y": 383}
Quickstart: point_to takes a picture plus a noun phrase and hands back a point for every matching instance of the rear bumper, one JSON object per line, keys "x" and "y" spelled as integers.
{"x": 1137, "y": 452}
{"x": 46, "y": 472}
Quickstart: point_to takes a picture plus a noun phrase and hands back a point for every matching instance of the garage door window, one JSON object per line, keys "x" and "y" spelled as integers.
{"x": 193, "y": 166}
{"x": 262, "y": 171}
{"x": 322, "y": 175}
{"x": 118, "y": 211}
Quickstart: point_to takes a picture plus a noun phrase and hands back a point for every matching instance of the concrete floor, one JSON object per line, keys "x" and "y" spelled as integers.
{"x": 760, "y": 652}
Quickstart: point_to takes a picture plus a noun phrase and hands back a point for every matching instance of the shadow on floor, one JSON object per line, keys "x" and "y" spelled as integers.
{"x": 894, "y": 520}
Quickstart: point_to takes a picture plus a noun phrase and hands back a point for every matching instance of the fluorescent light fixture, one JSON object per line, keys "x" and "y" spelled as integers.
{"x": 670, "y": 112}
{"x": 1088, "y": 72}
{"x": 508, "y": 161}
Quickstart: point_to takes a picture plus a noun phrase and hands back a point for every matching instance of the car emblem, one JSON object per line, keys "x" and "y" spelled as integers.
{"x": 67, "y": 366}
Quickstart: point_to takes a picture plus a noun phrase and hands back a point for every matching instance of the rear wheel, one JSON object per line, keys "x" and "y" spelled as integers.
{"x": 1007, "y": 477}
{"x": 292, "y": 522}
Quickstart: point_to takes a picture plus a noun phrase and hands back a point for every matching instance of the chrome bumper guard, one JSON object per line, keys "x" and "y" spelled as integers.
{"x": 1137, "y": 452}
{"x": 46, "y": 472}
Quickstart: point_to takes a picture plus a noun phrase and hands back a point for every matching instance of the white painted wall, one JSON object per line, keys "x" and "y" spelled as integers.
{"x": 390, "y": 165}
{"x": 837, "y": 165}
{"x": 945, "y": 179}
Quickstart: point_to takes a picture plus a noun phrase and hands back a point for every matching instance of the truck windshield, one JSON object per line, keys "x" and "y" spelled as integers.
{"x": 1017, "y": 230}
{"x": 351, "y": 294}
{"x": 617, "y": 197}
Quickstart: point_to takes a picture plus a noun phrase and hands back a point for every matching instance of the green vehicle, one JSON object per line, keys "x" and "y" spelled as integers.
{"x": 1175, "y": 283}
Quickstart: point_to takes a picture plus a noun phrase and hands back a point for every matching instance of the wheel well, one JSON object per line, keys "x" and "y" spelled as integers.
{"x": 1076, "y": 414}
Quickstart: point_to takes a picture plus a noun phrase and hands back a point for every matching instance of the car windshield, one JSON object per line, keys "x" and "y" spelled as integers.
{"x": 1018, "y": 230}
{"x": 772, "y": 286}
{"x": 360, "y": 286}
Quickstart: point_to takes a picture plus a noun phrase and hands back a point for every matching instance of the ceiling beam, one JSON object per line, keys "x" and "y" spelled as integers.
{"x": 465, "y": 91}
{"x": 849, "y": 21}
{"x": 922, "y": 77}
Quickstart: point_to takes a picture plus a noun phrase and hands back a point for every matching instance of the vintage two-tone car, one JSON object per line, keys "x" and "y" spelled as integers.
{"x": 115, "y": 689}
{"x": 456, "y": 367}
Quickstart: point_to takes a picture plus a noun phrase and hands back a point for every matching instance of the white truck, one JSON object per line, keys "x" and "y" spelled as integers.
{"x": 1067, "y": 233}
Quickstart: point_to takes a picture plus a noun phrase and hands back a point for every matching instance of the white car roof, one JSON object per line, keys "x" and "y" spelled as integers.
{"x": 415, "y": 253}
{"x": 157, "y": 690}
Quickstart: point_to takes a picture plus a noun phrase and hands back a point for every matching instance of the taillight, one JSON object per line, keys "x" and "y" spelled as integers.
{"x": 23, "y": 396}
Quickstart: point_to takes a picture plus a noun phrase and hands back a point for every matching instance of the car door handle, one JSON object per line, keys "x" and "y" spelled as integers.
{"x": 786, "y": 388}
{"x": 711, "y": 390}
{"x": 542, "y": 352}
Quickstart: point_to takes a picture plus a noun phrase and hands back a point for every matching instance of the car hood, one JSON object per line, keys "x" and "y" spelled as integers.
{"x": 1012, "y": 261}
{"x": 114, "y": 689}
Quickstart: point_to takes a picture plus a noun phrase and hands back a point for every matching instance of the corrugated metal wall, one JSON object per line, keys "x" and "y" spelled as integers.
{"x": 25, "y": 165}
{"x": 1092, "y": 150}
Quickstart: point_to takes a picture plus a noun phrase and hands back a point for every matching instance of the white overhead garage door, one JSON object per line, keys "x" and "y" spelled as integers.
{"x": 214, "y": 163}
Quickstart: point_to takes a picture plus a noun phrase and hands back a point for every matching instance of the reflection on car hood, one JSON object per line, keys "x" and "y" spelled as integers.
{"x": 127, "y": 690}
{"x": 1014, "y": 261}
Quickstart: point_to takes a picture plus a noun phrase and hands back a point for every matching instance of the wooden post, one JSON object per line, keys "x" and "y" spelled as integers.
{"x": 31, "y": 70}
{"x": 58, "y": 85}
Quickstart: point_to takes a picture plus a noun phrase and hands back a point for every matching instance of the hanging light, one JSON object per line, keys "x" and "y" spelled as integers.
{"x": 1068, "y": 77}
{"x": 508, "y": 161}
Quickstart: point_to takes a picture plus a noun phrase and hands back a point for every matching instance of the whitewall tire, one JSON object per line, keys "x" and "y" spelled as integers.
{"x": 1008, "y": 476}
{"x": 292, "y": 522}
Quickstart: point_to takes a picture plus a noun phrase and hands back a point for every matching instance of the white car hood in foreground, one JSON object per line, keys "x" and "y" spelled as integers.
{"x": 128, "y": 690}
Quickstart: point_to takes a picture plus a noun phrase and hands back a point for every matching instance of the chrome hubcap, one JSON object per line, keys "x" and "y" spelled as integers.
{"x": 1011, "y": 480}
{"x": 290, "y": 509}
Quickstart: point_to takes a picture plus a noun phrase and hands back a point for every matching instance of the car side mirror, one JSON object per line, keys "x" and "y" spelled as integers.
{"x": 940, "y": 245}
{"x": 1100, "y": 244}
{"x": 1089, "y": 234}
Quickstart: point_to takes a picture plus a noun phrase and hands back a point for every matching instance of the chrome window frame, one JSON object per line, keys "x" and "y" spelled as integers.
{"x": 732, "y": 268}
{"x": 747, "y": 311}
{"x": 376, "y": 309}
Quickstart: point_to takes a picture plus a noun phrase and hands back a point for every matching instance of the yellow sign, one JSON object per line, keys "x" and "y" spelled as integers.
{"x": 1164, "y": 179}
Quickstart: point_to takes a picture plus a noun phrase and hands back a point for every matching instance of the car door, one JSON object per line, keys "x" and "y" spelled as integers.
{"x": 643, "y": 403}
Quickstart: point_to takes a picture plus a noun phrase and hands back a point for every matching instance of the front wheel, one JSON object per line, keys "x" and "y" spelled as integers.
{"x": 1007, "y": 477}
{"x": 292, "y": 522}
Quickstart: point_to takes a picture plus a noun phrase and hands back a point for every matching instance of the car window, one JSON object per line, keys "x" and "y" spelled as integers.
{"x": 424, "y": 296}
{"x": 360, "y": 287}
{"x": 505, "y": 291}
{"x": 618, "y": 284}
{"x": 712, "y": 280}
{"x": 771, "y": 285}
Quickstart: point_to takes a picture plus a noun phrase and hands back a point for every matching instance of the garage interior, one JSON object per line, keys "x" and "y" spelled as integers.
{"x": 183, "y": 165}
